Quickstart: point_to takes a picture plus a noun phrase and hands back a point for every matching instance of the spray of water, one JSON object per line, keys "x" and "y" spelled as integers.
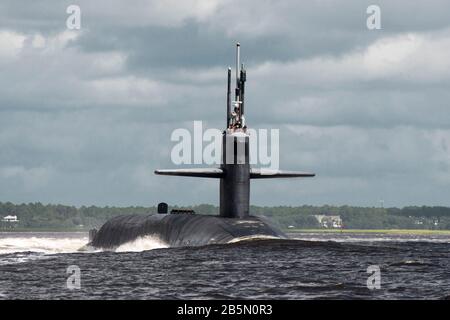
{"x": 142, "y": 244}
{"x": 46, "y": 245}
{"x": 54, "y": 243}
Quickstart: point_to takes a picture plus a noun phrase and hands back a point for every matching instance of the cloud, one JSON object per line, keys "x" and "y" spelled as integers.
{"x": 10, "y": 44}
{"x": 30, "y": 179}
{"x": 86, "y": 116}
{"x": 409, "y": 58}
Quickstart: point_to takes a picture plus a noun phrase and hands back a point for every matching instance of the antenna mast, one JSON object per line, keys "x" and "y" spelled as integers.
{"x": 229, "y": 99}
{"x": 238, "y": 49}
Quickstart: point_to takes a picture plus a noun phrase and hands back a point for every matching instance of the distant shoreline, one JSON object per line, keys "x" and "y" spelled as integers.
{"x": 383, "y": 231}
{"x": 368, "y": 231}
{"x": 40, "y": 217}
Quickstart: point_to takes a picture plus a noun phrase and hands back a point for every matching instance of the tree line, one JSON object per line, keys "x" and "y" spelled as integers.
{"x": 50, "y": 216}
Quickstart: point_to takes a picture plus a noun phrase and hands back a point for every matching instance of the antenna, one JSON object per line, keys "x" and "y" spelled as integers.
{"x": 242, "y": 90}
{"x": 238, "y": 49}
{"x": 239, "y": 91}
{"x": 229, "y": 98}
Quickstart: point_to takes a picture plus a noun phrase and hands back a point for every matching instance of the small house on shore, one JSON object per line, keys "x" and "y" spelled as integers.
{"x": 329, "y": 222}
{"x": 10, "y": 219}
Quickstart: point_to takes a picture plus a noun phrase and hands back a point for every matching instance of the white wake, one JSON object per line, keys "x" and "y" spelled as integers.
{"x": 253, "y": 237}
{"x": 46, "y": 245}
{"x": 142, "y": 244}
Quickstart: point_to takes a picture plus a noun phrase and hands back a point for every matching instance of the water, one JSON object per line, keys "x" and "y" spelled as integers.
{"x": 318, "y": 266}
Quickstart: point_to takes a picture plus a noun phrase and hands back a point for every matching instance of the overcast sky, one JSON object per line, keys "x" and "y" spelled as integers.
{"x": 86, "y": 115}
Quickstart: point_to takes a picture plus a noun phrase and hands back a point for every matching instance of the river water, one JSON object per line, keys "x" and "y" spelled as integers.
{"x": 309, "y": 266}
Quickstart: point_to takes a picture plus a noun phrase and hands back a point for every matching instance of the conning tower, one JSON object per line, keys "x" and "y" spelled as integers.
{"x": 235, "y": 172}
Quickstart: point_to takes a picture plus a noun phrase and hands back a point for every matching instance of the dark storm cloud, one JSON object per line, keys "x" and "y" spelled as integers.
{"x": 86, "y": 116}
{"x": 276, "y": 31}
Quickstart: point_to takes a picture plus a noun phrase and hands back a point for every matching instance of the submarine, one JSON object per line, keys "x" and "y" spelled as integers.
{"x": 234, "y": 221}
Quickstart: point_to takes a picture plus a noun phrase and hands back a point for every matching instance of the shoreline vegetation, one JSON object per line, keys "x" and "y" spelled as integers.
{"x": 38, "y": 217}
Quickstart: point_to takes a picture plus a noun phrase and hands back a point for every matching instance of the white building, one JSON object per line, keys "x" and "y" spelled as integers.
{"x": 10, "y": 219}
{"x": 329, "y": 221}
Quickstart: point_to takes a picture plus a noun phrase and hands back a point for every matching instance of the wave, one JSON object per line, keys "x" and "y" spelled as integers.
{"x": 253, "y": 237}
{"x": 369, "y": 238}
{"x": 143, "y": 243}
{"x": 20, "y": 248}
{"x": 411, "y": 263}
{"x": 46, "y": 245}
{"x": 55, "y": 243}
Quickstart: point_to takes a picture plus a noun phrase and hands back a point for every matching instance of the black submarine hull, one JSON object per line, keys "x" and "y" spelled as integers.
{"x": 178, "y": 230}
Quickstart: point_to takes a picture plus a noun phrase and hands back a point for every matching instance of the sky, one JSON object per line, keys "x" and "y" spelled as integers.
{"x": 86, "y": 115}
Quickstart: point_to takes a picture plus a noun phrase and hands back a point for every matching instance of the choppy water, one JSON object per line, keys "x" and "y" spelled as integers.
{"x": 319, "y": 266}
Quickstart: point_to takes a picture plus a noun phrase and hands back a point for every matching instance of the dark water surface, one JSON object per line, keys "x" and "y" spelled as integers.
{"x": 411, "y": 268}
